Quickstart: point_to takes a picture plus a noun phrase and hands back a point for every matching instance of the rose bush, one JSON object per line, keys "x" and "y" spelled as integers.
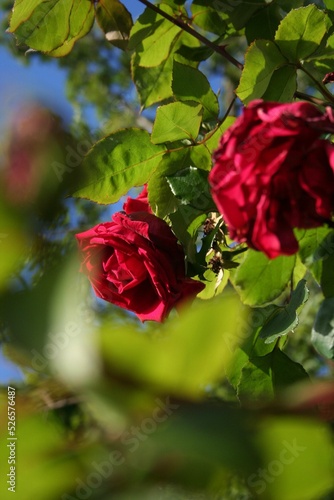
{"x": 273, "y": 172}
{"x": 136, "y": 262}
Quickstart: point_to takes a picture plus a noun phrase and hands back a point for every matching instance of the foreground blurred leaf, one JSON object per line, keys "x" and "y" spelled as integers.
{"x": 298, "y": 458}
{"x": 190, "y": 354}
{"x": 41, "y": 452}
{"x": 13, "y": 244}
{"x": 222, "y": 444}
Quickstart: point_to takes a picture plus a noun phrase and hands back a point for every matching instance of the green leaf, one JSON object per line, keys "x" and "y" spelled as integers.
{"x": 282, "y": 86}
{"x": 191, "y": 187}
{"x": 14, "y": 242}
{"x": 215, "y": 283}
{"x": 152, "y": 37}
{"x": 260, "y": 280}
{"x": 212, "y": 138}
{"x": 327, "y": 276}
{"x": 208, "y": 18}
{"x": 169, "y": 363}
{"x": 301, "y": 32}
{"x": 251, "y": 346}
{"x": 262, "y": 59}
{"x": 263, "y": 376}
{"x": 43, "y": 453}
{"x": 115, "y": 21}
{"x": 189, "y": 84}
{"x": 314, "y": 246}
{"x": 185, "y": 222}
{"x": 287, "y": 5}
{"x": 241, "y": 11}
{"x": 263, "y": 24}
{"x": 329, "y": 4}
{"x": 200, "y": 157}
{"x": 118, "y": 162}
{"x": 177, "y": 121}
{"x": 155, "y": 84}
{"x": 325, "y": 247}
{"x": 286, "y": 318}
{"x": 301, "y": 449}
{"x": 285, "y": 371}
{"x": 256, "y": 383}
{"x": 323, "y": 330}
{"x": 66, "y": 48}
{"x": 51, "y": 26}
{"x": 30, "y": 328}
{"x": 161, "y": 198}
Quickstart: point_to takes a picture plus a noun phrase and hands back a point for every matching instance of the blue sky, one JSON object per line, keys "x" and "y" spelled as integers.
{"x": 20, "y": 83}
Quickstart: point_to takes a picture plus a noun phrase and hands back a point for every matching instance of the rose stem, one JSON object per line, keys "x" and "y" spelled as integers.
{"x": 319, "y": 85}
{"x": 220, "y": 49}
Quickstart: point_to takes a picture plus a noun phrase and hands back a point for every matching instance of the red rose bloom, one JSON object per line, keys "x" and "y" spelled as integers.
{"x": 135, "y": 262}
{"x": 139, "y": 204}
{"x": 272, "y": 173}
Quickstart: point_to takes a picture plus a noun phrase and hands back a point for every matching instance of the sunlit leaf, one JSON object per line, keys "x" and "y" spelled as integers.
{"x": 51, "y": 26}
{"x": 176, "y": 121}
{"x": 301, "y": 32}
{"x": 122, "y": 160}
{"x": 152, "y": 37}
{"x": 262, "y": 59}
{"x": 260, "y": 280}
{"x": 154, "y": 84}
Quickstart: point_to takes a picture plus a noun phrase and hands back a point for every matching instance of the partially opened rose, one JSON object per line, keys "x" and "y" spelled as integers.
{"x": 135, "y": 262}
{"x": 274, "y": 172}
